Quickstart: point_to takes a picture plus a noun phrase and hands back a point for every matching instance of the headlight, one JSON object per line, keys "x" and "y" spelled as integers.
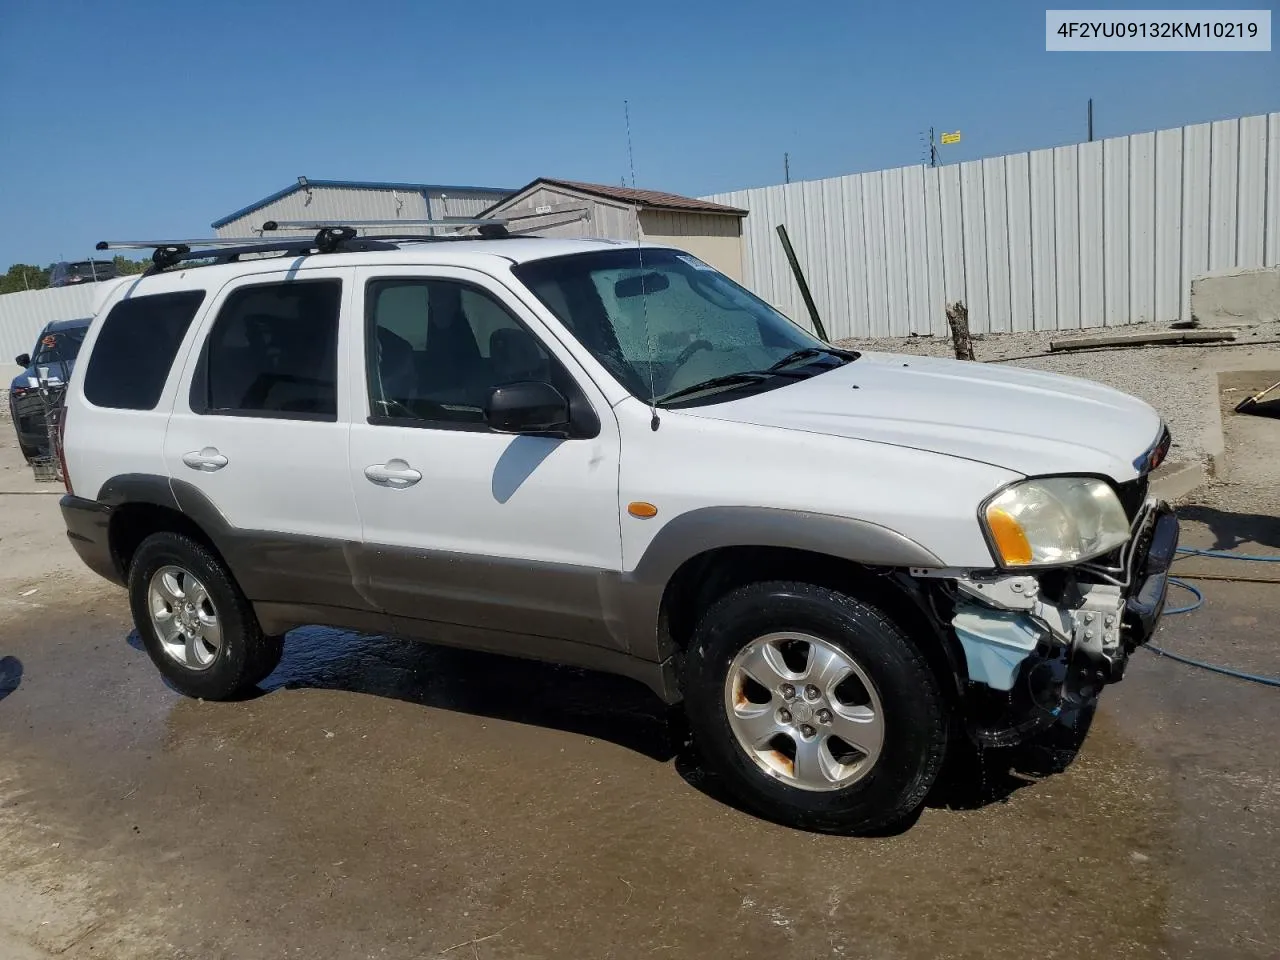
{"x": 1054, "y": 520}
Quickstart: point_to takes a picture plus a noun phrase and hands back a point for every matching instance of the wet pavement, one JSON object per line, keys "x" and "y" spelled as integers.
{"x": 389, "y": 799}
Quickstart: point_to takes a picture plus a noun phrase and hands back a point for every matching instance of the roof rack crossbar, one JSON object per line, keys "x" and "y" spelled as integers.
{"x": 272, "y": 225}
{"x": 155, "y": 244}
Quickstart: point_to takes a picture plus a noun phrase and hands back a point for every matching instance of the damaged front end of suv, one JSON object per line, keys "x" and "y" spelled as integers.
{"x": 1083, "y": 567}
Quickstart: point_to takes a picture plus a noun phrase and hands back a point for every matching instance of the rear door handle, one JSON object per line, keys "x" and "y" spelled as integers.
{"x": 394, "y": 473}
{"x": 208, "y": 459}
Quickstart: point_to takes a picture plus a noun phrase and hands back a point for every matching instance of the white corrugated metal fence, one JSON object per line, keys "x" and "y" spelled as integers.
{"x": 23, "y": 315}
{"x": 1093, "y": 234}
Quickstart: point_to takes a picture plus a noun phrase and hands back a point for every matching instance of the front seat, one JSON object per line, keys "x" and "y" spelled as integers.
{"x": 397, "y": 373}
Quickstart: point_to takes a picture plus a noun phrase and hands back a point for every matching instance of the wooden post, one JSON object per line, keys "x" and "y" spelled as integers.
{"x": 958, "y": 320}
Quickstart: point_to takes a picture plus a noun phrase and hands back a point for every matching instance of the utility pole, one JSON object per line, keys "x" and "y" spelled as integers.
{"x": 786, "y": 167}
{"x": 933, "y": 150}
{"x": 1091, "y": 119}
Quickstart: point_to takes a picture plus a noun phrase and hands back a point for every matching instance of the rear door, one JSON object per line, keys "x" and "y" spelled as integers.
{"x": 259, "y": 434}
{"x": 512, "y": 535}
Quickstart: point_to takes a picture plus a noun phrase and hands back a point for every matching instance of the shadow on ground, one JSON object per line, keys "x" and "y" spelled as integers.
{"x": 604, "y": 706}
{"x": 10, "y": 675}
{"x": 1231, "y": 530}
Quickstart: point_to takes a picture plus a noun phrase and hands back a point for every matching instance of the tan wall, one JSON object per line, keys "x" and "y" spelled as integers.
{"x": 715, "y": 239}
{"x": 612, "y": 221}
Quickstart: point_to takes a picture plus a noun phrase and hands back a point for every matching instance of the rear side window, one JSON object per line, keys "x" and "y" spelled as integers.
{"x": 135, "y": 349}
{"x": 273, "y": 352}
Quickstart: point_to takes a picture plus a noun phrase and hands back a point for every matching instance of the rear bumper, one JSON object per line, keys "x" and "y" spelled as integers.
{"x": 88, "y": 526}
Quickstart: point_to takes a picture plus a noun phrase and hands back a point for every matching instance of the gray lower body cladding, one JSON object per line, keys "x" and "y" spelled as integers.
{"x": 578, "y": 616}
{"x": 589, "y": 617}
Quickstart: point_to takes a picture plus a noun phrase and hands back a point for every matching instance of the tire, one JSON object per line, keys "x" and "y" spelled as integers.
{"x": 242, "y": 655}
{"x": 860, "y": 791}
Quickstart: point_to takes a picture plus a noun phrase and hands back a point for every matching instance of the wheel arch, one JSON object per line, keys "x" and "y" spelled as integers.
{"x": 703, "y": 579}
{"x": 143, "y": 504}
{"x": 700, "y": 554}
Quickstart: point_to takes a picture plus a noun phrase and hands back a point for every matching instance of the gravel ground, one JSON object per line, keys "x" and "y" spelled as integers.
{"x": 1177, "y": 381}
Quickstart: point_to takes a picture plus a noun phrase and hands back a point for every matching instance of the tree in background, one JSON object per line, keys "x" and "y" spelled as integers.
{"x": 24, "y": 276}
{"x": 126, "y": 267}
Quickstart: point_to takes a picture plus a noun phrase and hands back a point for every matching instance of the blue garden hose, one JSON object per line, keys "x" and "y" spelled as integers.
{"x": 1196, "y": 604}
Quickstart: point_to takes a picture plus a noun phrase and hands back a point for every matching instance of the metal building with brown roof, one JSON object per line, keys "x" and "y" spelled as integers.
{"x": 568, "y": 208}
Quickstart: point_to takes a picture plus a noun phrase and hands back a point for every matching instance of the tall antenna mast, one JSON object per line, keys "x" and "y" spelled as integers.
{"x": 654, "y": 422}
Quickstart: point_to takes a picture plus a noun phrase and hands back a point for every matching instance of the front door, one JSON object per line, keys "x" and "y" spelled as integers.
{"x": 511, "y": 535}
{"x": 261, "y": 434}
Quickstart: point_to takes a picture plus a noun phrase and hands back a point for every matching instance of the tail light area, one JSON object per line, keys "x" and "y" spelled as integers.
{"x": 59, "y": 441}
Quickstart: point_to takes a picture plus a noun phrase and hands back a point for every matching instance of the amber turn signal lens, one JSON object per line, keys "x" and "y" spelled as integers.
{"x": 1012, "y": 543}
{"x": 642, "y": 510}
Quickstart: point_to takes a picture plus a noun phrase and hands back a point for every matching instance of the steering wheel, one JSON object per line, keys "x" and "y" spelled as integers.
{"x": 691, "y": 349}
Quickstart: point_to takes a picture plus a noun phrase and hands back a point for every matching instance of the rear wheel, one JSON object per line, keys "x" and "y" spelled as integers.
{"x": 816, "y": 709}
{"x": 196, "y": 625}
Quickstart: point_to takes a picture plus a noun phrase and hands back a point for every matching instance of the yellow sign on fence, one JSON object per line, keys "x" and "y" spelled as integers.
{"x": 951, "y": 137}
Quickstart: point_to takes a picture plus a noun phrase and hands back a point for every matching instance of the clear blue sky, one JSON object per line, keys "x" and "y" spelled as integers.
{"x": 152, "y": 119}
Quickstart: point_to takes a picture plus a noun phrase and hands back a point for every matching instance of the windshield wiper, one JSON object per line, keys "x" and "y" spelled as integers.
{"x": 727, "y": 380}
{"x": 806, "y": 353}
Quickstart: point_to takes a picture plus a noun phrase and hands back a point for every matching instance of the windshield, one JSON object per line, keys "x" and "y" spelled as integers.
{"x": 59, "y": 346}
{"x": 662, "y": 321}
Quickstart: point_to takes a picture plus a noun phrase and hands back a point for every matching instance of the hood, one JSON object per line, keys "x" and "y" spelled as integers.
{"x": 1022, "y": 420}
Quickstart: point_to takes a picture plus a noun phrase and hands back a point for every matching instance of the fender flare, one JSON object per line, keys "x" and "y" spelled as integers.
{"x": 638, "y": 600}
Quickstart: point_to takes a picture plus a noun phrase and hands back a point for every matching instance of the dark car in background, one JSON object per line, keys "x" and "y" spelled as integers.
{"x": 53, "y": 357}
{"x": 67, "y": 273}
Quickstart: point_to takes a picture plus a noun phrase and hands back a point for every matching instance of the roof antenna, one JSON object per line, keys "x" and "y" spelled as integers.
{"x": 654, "y": 422}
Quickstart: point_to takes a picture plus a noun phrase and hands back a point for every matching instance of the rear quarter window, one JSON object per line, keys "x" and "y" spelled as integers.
{"x": 135, "y": 349}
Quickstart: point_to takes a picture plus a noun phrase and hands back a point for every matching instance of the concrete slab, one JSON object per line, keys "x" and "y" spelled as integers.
{"x": 1237, "y": 297}
{"x": 1173, "y": 481}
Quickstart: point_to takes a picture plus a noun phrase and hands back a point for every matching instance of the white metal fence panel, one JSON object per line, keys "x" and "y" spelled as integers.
{"x": 1017, "y": 183}
{"x": 1066, "y": 196}
{"x": 1142, "y": 226}
{"x": 1092, "y": 277}
{"x": 1168, "y": 266}
{"x": 23, "y": 315}
{"x": 1092, "y": 234}
{"x": 1115, "y": 223}
{"x": 1271, "y": 246}
{"x": 1252, "y": 191}
{"x": 1195, "y": 210}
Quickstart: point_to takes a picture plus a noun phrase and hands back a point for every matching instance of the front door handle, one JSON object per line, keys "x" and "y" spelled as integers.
{"x": 208, "y": 459}
{"x": 394, "y": 473}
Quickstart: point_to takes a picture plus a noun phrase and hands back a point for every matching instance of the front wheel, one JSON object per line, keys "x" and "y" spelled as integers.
{"x": 815, "y": 708}
{"x": 196, "y": 625}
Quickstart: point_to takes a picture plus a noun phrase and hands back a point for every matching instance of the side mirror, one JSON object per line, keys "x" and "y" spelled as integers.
{"x": 23, "y": 360}
{"x": 531, "y": 406}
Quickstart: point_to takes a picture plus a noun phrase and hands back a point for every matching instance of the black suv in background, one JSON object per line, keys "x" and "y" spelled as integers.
{"x": 56, "y": 349}
{"x": 68, "y": 273}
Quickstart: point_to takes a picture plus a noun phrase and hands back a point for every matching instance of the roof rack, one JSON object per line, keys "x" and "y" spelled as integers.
{"x": 168, "y": 253}
{"x": 489, "y": 228}
{"x": 331, "y": 236}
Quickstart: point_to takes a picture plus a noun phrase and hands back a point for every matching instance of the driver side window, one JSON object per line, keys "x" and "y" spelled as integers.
{"x": 435, "y": 349}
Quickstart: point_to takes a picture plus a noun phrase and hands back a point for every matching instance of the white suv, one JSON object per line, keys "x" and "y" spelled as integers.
{"x": 615, "y": 457}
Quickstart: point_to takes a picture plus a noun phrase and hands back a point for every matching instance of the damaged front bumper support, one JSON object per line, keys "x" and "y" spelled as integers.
{"x": 1092, "y": 625}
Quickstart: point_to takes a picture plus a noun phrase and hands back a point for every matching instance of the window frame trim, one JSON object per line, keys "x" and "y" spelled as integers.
{"x": 199, "y": 379}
